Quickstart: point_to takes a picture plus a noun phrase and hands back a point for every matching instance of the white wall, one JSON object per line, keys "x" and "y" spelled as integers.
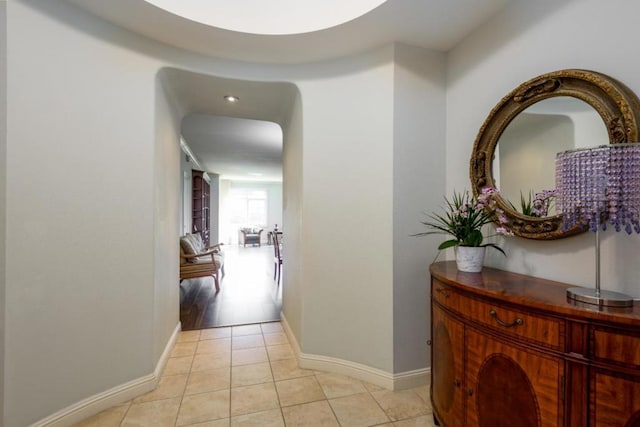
{"x": 167, "y": 182}
{"x": 590, "y": 129}
{"x": 81, "y": 219}
{"x": 418, "y": 185}
{"x": 347, "y": 231}
{"x": 526, "y": 40}
{"x": 292, "y": 201}
{"x": 3, "y": 185}
{"x": 274, "y": 208}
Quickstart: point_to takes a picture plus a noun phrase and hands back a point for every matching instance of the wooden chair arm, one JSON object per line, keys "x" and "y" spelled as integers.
{"x": 217, "y": 247}
{"x": 189, "y": 256}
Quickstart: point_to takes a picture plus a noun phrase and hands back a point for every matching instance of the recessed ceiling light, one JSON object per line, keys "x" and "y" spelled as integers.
{"x": 231, "y": 98}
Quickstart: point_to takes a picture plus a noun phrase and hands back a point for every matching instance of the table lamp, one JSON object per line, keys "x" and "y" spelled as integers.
{"x": 599, "y": 187}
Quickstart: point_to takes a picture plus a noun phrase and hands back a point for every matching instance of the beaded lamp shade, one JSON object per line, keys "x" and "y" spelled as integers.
{"x": 600, "y": 186}
{"x": 597, "y": 187}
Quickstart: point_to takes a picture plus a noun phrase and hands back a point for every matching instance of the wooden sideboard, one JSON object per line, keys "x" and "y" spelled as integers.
{"x": 511, "y": 350}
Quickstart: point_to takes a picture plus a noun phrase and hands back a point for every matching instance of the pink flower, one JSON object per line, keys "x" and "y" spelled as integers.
{"x": 504, "y": 231}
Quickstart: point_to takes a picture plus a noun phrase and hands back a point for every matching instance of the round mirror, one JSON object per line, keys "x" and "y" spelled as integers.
{"x": 516, "y": 147}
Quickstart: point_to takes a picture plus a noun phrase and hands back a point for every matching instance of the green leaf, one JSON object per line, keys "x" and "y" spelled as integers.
{"x": 448, "y": 244}
{"x": 493, "y": 245}
{"x": 474, "y": 238}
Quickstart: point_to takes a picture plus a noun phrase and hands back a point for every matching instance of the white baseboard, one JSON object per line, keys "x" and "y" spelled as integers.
{"x": 167, "y": 351}
{"x": 112, "y": 397}
{"x": 399, "y": 381}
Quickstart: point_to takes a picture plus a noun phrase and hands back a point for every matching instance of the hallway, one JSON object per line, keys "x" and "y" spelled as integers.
{"x": 248, "y": 376}
{"x": 248, "y": 293}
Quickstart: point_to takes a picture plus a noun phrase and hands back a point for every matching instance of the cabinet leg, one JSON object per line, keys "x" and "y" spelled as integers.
{"x": 435, "y": 420}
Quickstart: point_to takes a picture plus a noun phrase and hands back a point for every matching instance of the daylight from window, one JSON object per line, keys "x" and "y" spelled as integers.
{"x": 248, "y": 207}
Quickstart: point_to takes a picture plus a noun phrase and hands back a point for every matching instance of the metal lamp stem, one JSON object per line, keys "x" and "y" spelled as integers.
{"x": 596, "y": 296}
{"x": 598, "y": 262}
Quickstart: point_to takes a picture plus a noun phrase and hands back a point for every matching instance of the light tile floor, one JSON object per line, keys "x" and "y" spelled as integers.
{"x": 247, "y": 376}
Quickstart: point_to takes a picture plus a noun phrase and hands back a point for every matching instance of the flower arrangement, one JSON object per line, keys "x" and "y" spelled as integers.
{"x": 542, "y": 202}
{"x": 464, "y": 218}
{"x": 538, "y": 205}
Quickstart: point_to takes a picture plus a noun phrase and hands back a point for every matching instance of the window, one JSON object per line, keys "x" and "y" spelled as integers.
{"x": 248, "y": 206}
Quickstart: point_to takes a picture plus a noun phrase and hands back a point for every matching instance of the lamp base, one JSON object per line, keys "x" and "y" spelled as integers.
{"x": 604, "y": 298}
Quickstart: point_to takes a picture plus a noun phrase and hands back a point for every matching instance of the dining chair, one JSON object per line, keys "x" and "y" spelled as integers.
{"x": 276, "y": 238}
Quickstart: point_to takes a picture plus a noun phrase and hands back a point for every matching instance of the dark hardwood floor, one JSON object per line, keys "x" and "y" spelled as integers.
{"x": 248, "y": 293}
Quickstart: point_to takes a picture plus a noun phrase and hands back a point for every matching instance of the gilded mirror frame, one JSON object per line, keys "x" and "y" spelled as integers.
{"x": 616, "y": 104}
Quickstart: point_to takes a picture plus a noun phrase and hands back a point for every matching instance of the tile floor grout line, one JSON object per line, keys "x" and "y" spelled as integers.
{"x": 273, "y": 377}
{"x": 193, "y": 356}
{"x": 416, "y": 392}
{"x": 381, "y": 408}
{"x": 125, "y": 413}
{"x": 330, "y": 406}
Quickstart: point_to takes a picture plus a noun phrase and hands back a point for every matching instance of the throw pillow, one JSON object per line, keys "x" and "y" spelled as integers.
{"x": 188, "y": 248}
{"x": 198, "y": 243}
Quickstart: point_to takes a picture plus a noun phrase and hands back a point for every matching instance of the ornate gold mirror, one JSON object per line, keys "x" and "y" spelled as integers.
{"x": 550, "y": 113}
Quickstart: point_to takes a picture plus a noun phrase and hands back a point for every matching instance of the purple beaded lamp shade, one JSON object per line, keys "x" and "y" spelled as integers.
{"x": 600, "y": 186}
{"x": 597, "y": 187}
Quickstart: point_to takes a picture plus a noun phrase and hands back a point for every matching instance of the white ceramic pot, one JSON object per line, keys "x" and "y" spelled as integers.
{"x": 470, "y": 258}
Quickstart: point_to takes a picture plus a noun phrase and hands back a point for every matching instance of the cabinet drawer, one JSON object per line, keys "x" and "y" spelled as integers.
{"x": 616, "y": 346}
{"x": 546, "y": 331}
{"x": 444, "y": 295}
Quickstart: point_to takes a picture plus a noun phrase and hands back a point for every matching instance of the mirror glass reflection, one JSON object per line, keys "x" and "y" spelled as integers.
{"x": 524, "y": 162}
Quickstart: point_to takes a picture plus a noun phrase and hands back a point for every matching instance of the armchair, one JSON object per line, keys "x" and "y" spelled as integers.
{"x": 196, "y": 260}
{"x": 251, "y": 236}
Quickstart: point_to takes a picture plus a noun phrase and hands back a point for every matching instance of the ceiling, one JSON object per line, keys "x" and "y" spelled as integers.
{"x": 236, "y": 149}
{"x": 269, "y": 17}
{"x": 230, "y": 139}
{"x": 432, "y": 24}
{"x": 235, "y": 140}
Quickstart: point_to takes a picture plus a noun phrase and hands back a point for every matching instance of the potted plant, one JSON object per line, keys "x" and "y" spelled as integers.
{"x": 463, "y": 220}
{"x": 537, "y": 206}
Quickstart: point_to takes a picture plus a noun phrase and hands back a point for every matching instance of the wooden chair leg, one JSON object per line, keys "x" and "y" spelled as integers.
{"x": 215, "y": 281}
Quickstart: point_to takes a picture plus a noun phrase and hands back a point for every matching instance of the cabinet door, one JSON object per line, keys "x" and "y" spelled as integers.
{"x": 507, "y": 386}
{"x": 447, "y": 354}
{"x": 615, "y": 400}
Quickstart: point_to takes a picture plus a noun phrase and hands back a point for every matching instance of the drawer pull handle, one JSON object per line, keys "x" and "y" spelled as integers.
{"x": 516, "y": 322}
{"x": 469, "y": 392}
{"x": 457, "y": 383}
{"x": 443, "y": 292}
